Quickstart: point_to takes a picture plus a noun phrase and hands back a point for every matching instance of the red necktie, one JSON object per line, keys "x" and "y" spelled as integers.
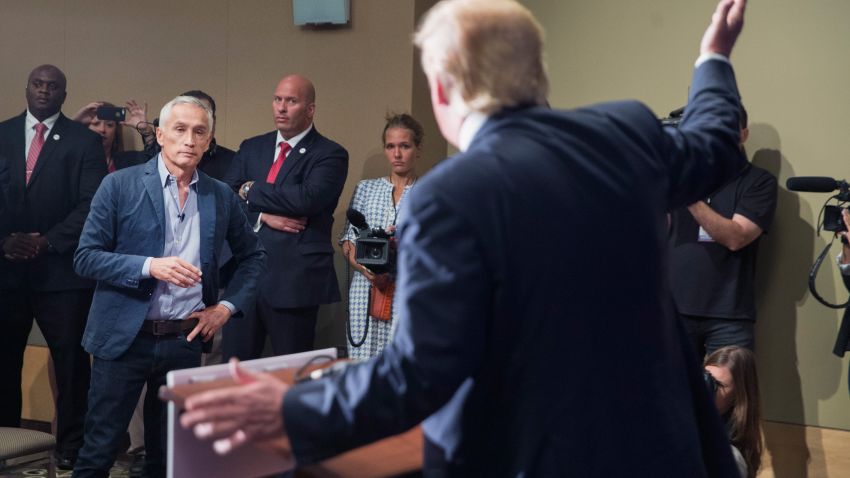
{"x": 284, "y": 148}
{"x": 35, "y": 148}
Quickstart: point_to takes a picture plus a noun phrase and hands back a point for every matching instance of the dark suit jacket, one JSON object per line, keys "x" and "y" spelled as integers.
{"x": 536, "y": 331}
{"x": 55, "y": 203}
{"x": 125, "y": 159}
{"x": 4, "y": 189}
{"x": 215, "y": 162}
{"x": 126, "y": 226}
{"x": 301, "y": 271}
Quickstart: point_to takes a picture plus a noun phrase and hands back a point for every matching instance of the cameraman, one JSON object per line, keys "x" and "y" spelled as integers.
{"x": 713, "y": 249}
{"x": 380, "y": 201}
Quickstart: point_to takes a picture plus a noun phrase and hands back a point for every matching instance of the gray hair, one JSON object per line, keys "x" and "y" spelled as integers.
{"x": 165, "y": 113}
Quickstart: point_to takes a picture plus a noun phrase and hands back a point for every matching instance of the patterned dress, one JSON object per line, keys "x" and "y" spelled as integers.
{"x": 374, "y": 198}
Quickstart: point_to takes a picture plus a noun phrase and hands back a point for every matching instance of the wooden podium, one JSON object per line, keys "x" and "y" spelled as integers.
{"x": 397, "y": 455}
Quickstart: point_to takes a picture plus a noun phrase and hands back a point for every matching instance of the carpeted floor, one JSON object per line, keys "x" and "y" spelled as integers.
{"x": 121, "y": 469}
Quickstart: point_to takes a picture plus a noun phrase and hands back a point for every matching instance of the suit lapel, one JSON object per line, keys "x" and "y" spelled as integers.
{"x": 206, "y": 214}
{"x": 54, "y": 142}
{"x": 296, "y": 155}
{"x": 153, "y": 186}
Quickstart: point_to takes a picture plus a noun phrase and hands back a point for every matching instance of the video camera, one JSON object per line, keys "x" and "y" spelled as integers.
{"x": 674, "y": 118}
{"x": 829, "y": 219}
{"x": 374, "y": 250}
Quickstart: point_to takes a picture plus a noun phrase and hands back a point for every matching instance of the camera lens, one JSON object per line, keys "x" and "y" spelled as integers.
{"x": 374, "y": 253}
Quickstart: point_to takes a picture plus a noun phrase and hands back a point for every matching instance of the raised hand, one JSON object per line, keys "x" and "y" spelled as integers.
{"x": 87, "y": 113}
{"x": 136, "y": 114}
{"x": 726, "y": 25}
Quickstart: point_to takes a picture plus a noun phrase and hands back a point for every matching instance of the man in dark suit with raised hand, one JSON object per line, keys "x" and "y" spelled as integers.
{"x": 152, "y": 242}
{"x": 528, "y": 349}
{"x": 291, "y": 180}
{"x": 55, "y": 167}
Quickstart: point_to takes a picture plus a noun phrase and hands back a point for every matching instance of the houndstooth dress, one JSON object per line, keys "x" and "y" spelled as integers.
{"x": 374, "y": 198}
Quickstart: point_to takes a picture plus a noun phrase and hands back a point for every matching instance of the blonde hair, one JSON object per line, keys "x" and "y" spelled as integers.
{"x": 488, "y": 52}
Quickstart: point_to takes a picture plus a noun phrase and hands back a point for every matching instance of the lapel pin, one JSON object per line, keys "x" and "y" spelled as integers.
{"x": 302, "y": 150}
{"x": 55, "y": 137}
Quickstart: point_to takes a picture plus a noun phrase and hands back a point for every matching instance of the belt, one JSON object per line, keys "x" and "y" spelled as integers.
{"x": 168, "y": 327}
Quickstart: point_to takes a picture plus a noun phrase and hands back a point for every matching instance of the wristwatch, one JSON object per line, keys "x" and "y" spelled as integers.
{"x": 243, "y": 191}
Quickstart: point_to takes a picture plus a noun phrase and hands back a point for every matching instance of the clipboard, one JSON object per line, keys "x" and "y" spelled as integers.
{"x": 187, "y": 456}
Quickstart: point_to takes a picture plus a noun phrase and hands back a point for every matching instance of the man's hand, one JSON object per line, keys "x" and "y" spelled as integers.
{"x": 175, "y": 271}
{"x": 233, "y": 416}
{"x": 23, "y": 247}
{"x": 292, "y": 225}
{"x": 87, "y": 113}
{"x": 726, "y": 25}
{"x": 210, "y": 320}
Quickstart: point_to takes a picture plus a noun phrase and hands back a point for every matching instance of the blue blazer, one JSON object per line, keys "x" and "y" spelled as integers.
{"x": 301, "y": 271}
{"x": 536, "y": 335}
{"x": 126, "y": 225}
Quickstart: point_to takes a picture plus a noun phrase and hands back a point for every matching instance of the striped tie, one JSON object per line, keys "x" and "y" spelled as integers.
{"x": 35, "y": 149}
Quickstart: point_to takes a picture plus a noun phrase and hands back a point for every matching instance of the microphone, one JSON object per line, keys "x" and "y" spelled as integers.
{"x": 181, "y": 216}
{"x": 815, "y": 184}
{"x": 357, "y": 219}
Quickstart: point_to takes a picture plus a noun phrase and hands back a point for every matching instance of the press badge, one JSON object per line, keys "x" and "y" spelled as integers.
{"x": 704, "y": 236}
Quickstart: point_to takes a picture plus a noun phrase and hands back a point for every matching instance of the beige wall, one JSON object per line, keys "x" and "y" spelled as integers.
{"x": 790, "y": 63}
{"x": 792, "y": 71}
{"x": 236, "y": 51}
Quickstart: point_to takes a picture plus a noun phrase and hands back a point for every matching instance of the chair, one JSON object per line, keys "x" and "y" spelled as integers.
{"x": 19, "y": 446}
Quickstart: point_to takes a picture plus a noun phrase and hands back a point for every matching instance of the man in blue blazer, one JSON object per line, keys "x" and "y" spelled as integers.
{"x": 536, "y": 334}
{"x": 54, "y": 167}
{"x": 152, "y": 241}
{"x": 291, "y": 180}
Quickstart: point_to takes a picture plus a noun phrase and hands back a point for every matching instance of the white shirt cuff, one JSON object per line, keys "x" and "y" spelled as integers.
{"x": 229, "y": 306}
{"x": 146, "y": 268}
{"x": 711, "y": 56}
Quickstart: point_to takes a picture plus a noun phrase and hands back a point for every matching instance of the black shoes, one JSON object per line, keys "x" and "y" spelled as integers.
{"x": 137, "y": 465}
{"x": 65, "y": 461}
